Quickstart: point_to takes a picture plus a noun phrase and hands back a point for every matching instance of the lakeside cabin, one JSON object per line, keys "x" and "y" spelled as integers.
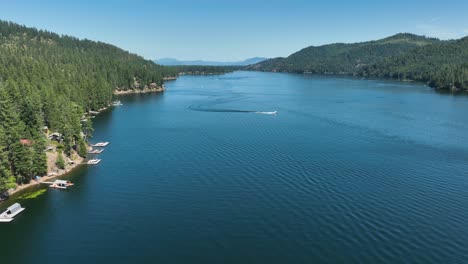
{"x": 55, "y": 136}
{"x": 11, "y": 212}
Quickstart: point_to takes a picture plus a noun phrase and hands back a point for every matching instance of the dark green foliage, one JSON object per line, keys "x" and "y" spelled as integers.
{"x": 60, "y": 162}
{"x": 343, "y": 58}
{"x": 201, "y": 69}
{"x": 6, "y": 176}
{"x": 81, "y": 148}
{"x": 443, "y": 65}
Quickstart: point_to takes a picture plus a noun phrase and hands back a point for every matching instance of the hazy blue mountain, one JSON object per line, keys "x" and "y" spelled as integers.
{"x": 172, "y": 62}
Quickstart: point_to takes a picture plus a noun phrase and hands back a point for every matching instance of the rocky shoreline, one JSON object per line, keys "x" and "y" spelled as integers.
{"x": 52, "y": 171}
{"x": 75, "y": 160}
{"x": 140, "y": 91}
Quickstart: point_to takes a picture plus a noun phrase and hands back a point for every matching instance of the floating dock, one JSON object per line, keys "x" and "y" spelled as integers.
{"x": 95, "y": 151}
{"x": 93, "y": 161}
{"x": 60, "y": 184}
{"x": 100, "y": 144}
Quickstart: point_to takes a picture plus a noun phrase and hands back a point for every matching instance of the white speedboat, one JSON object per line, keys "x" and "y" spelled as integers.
{"x": 11, "y": 212}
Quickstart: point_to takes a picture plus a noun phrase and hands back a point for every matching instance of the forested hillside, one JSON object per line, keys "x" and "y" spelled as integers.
{"x": 343, "y": 58}
{"x": 52, "y": 80}
{"x": 202, "y": 69}
{"x": 443, "y": 65}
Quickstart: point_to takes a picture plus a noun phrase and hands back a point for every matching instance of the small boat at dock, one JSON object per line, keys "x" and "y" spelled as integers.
{"x": 11, "y": 212}
{"x": 100, "y": 144}
{"x": 116, "y": 103}
{"x": 95, "y": 151}
{"x": 93, "y": 161}
{"x": 61, "y": 184}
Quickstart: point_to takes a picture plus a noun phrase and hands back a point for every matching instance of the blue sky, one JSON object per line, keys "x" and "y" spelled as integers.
{"x": 235, "y": 30}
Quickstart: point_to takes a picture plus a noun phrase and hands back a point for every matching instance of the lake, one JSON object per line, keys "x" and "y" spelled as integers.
{"x": 348, "y": 171}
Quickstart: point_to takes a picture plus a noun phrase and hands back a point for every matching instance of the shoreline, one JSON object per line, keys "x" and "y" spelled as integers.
{"x": 32, "y": 183}
{"x": 138, "y": 91}
{"x": 79, "y": 160}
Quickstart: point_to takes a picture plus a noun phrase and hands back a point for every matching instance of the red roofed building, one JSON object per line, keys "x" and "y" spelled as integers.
{"x": 26, "y": 142}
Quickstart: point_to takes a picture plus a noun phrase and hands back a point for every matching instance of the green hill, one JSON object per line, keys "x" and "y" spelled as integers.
{"x": 443, "y": 65}
{"x": 341, "y": 58}
{"x": 52, "y": 80}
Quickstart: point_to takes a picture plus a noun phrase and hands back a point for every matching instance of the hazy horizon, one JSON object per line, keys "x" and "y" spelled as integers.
{"x": 235, "y": 31}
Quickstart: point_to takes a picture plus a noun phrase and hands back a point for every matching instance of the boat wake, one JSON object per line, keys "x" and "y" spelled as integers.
{"x": 219, "y": 110}
{"x": 267, "y": 113}
{"x": 208, "y": 107}
{"x": 216, "y": 110}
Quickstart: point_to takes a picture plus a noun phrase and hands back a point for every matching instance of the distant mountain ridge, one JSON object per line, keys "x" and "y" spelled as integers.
{"x": 175, "y": 62}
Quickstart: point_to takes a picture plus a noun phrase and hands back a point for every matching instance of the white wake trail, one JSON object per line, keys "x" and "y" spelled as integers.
{"x": 267, "y": 113}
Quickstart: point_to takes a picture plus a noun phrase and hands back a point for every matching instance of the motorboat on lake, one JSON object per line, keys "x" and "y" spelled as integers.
{"x": 11, "y": 212}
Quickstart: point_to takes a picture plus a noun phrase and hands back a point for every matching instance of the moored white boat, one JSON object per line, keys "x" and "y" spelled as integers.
{"x": 93, "y": 161}
{"x": 61, "y": 184}
{"x": 11, "y": 212}
{"x": 100, "y": 144}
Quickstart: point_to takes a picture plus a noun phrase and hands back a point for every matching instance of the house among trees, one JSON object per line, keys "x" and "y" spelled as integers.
{"x": 55, "y": 136}
{"x": 25, "y": 142}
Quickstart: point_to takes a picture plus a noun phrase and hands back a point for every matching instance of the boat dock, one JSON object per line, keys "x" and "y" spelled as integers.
{"x": 93, "y": 161}
{"x": 59, "y": 184}
{"x": 11, "y": 212}
{"x": 95, "y": 151}
{"x": 100, "y": 144}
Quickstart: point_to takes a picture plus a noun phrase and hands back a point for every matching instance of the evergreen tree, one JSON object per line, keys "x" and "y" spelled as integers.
{"x": 60, "y": 161}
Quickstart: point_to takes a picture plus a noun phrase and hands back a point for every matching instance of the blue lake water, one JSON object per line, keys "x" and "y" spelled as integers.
{"x": 348, "y": 171}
